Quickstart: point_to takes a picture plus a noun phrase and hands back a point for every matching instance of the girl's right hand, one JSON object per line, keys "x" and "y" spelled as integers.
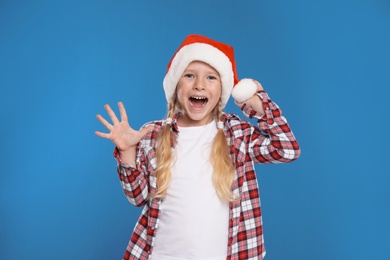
{"x": 124, "y": 137}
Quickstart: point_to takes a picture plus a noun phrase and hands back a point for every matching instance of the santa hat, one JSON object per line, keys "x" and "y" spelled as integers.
{"x": 218, "y": 55}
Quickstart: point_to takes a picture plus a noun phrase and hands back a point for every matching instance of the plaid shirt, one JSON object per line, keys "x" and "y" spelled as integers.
{"x": 271, "y": 142}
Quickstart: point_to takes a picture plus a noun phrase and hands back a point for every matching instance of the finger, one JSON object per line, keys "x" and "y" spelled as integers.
{"x": 122, "y": 112}
{"x": 111, "y": 113}
{"x": 259, "y": 86}
{"x": 240, "y": 104}
{"x": 103, "y": 135}
{"x": 104, "y": 122}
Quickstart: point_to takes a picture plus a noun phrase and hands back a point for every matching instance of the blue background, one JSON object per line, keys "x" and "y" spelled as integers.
{"x": 326, "y": 63}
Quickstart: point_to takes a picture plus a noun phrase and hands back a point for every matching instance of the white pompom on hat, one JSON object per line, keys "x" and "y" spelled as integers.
{"x": 244, "y": 90}
{"x": 218, "y": 55}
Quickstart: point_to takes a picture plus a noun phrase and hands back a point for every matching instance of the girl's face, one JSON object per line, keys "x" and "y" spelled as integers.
{"x": 198, "y": 92}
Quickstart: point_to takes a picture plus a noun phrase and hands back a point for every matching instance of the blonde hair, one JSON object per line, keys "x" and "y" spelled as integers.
{"x": 223, "y": 174}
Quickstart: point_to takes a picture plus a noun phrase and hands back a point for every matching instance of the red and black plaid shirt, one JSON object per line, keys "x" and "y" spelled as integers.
{"x": 271, "y": 142}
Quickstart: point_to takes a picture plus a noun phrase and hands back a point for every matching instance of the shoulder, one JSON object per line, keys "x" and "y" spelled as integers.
{"x": 157, "y": 125}
{"x": 150, "y": 138}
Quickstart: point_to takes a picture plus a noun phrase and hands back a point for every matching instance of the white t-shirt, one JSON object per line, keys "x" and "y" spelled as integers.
{"x": 194, "y": 222}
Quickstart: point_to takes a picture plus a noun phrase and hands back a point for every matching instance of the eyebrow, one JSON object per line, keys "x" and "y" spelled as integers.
{"x": 208, "y": 71}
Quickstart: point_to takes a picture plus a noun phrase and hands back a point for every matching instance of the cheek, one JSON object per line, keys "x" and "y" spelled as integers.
{"x": 218, "y": 88}
{"x": 180, "y": 95}
{"x": 179, "y": 91}
{"x": 217, "y": 92}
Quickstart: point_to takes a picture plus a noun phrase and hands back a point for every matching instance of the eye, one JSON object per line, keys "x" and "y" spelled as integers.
{"x": 189, "y": 75}
{"x": 212, "y": 77}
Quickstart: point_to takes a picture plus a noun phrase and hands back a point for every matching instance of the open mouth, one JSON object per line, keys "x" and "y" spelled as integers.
{"x": 198, "y": 102}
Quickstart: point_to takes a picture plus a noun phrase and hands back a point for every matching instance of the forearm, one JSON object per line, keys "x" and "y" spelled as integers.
{"x": 134, "y": 180}
{"x": 278, "y": 146}
{"x": 279, "y": 143}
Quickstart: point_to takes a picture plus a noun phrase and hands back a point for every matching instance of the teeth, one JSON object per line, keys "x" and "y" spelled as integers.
{"x": 198, "y": 98}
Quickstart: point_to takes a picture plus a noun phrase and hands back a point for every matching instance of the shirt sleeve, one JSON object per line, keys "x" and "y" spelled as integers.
{"x": 272, "y": 141}
{"x": 133, "y": 179}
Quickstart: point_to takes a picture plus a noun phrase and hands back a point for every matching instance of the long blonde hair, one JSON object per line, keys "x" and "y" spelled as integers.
{"x": 223, "y": 174}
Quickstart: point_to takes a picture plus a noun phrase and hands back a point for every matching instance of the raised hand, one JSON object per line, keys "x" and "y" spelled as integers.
{"x": 124, "y": 137}
{"x": 254, "y": 101}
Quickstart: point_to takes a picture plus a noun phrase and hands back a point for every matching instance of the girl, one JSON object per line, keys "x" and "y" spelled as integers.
{"x": 194, "y": 171}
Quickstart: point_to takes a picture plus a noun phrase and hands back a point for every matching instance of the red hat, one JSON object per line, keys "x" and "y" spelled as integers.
{"x": 217, "y": 54}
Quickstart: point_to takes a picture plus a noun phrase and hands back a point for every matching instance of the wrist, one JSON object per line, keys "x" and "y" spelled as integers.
{"x": 128, "y": 156}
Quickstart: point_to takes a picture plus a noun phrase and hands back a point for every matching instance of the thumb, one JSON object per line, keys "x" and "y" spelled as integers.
{"x": 145, "y": 130}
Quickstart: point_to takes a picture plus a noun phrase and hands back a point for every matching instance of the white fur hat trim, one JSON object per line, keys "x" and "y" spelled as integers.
{"x": 244, "y": 90}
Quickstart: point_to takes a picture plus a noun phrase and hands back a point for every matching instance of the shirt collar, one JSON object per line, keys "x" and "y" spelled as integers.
{"x": 175, "y": 127}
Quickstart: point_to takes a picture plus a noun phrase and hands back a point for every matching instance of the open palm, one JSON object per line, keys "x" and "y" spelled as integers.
{"x": 123, "y": 136}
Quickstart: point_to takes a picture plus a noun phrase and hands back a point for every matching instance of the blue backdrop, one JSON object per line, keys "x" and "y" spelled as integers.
{"x": 326, "y": 63}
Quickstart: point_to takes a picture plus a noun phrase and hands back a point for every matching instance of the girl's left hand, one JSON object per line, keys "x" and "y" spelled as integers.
{"x": 254, "y": 102}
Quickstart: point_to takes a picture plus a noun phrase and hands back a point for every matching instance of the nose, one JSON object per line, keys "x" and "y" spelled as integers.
{"x": 199, "y": 84}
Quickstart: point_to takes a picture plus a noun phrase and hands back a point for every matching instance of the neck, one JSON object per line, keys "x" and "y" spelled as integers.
{"x": 185, "y": 121}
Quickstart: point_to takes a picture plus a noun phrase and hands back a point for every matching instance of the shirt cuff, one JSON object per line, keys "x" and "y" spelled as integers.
{"x": 119, "y": 160}
{"x": 251, "y": 113}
